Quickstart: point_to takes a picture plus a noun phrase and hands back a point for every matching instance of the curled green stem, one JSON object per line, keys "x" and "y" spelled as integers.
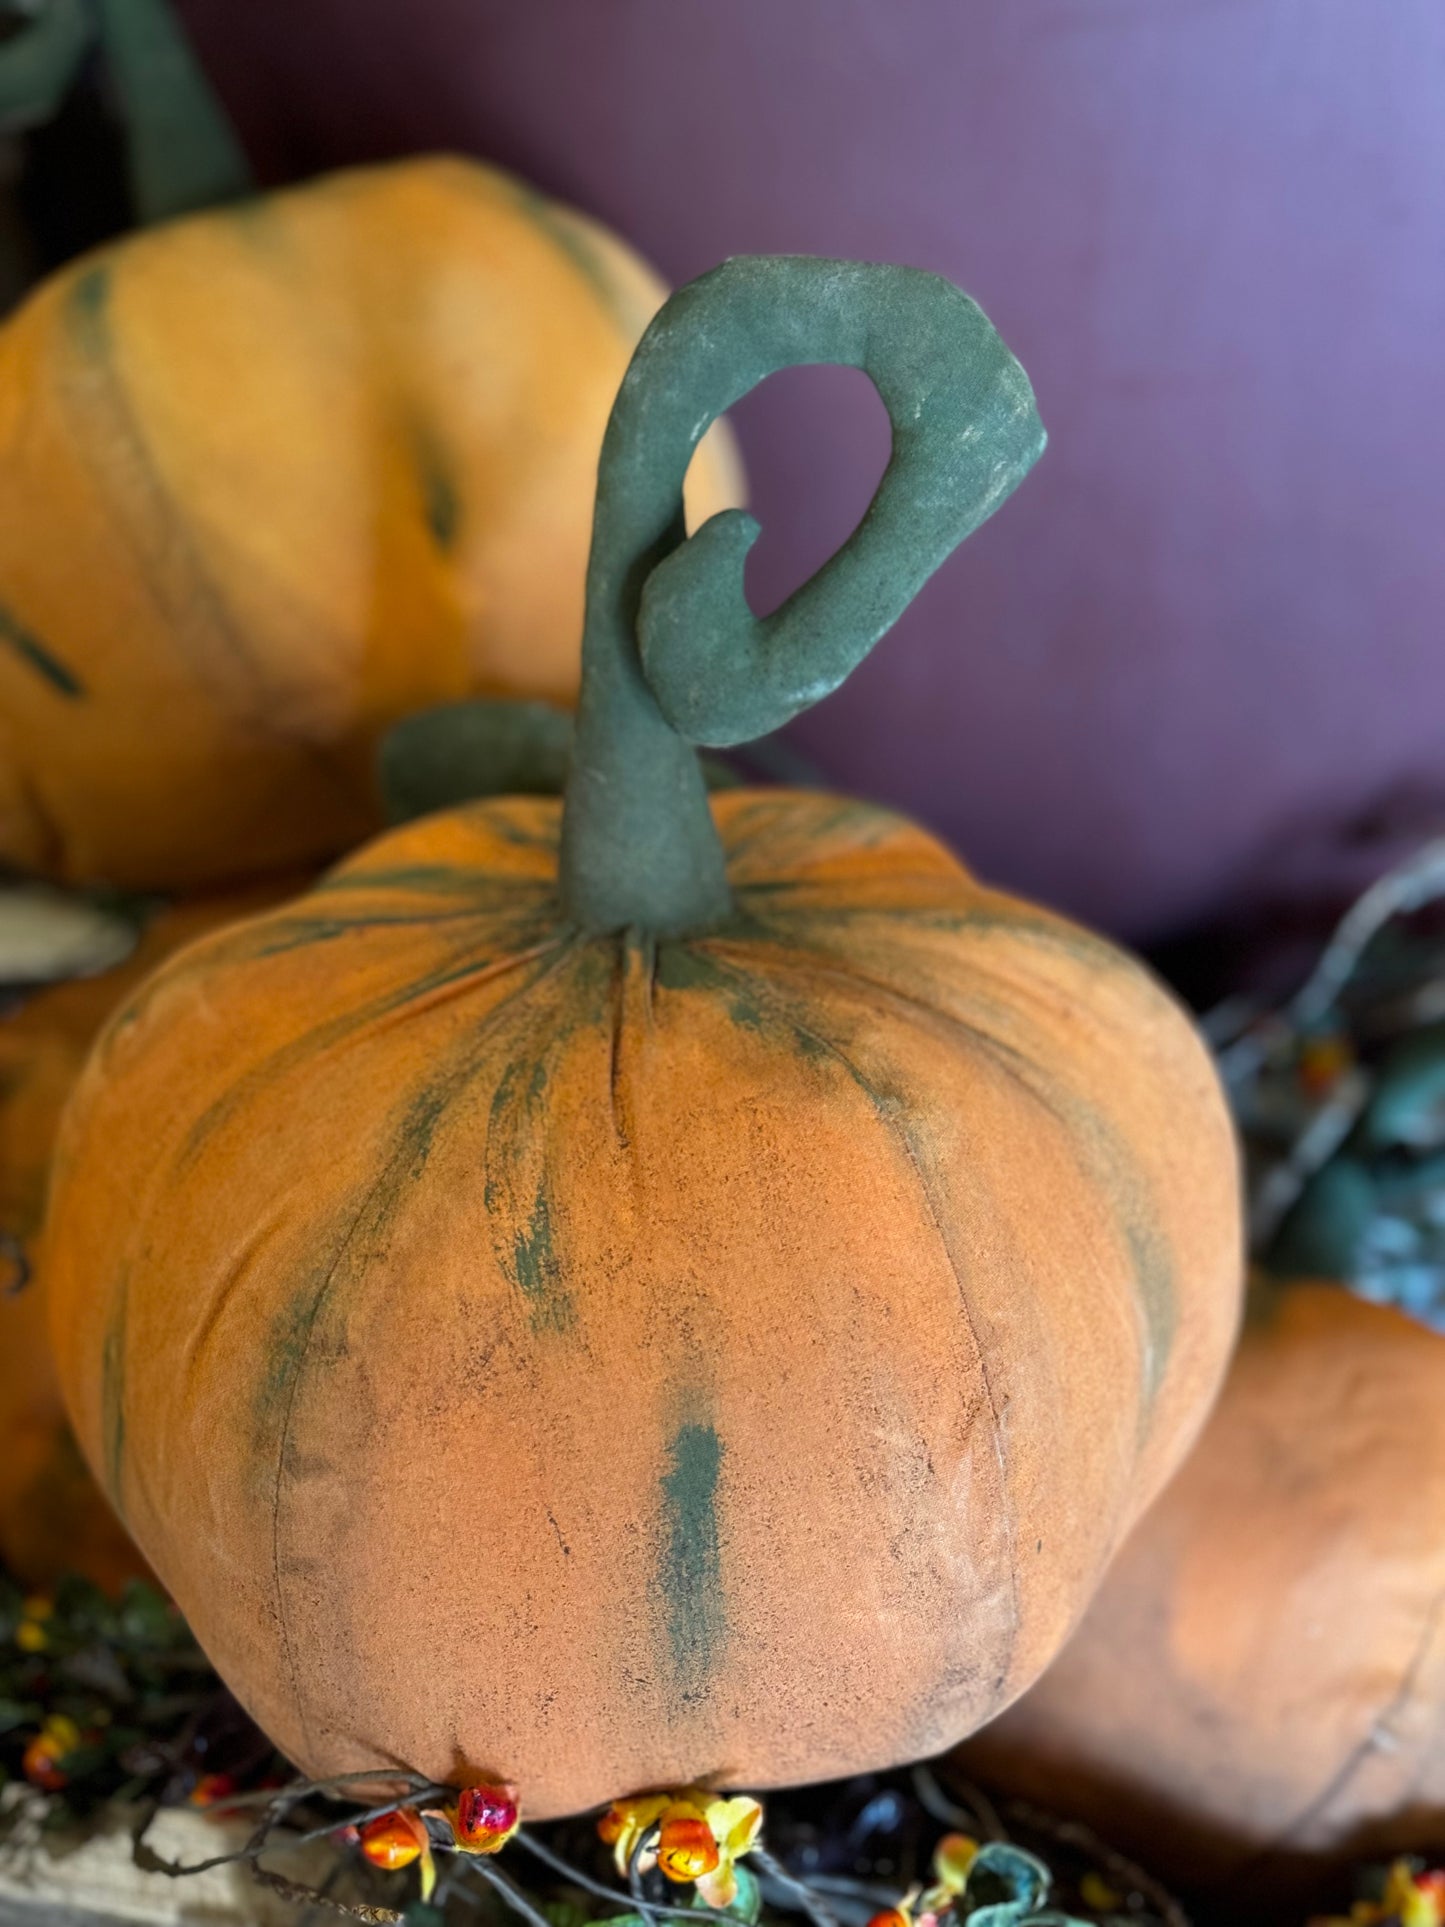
{"x": 672, "y": 655}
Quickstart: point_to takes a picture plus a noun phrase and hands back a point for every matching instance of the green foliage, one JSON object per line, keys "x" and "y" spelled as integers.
{"x": 1340, "y": 1096}
{"x": 1009, "y": 1888}
{"x": 747, "y": 1902}
{"x": 151, "y": 1716}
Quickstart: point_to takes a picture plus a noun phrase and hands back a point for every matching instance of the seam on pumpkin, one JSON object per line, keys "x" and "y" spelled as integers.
{"x": 902, "y": 1137}
{"x": 51, "y": 851}
{"x": 1016, "y": 1064}
{"x": 458, "y": 976}
{"x": 234, "y": 945}
{"x": 567, "y": 946}
{"x": 1356, "y": 1758}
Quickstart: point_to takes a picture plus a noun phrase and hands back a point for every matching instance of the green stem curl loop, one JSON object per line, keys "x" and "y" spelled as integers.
{"x": 672, "y": 655}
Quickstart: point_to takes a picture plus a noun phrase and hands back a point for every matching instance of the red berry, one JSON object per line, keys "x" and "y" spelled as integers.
{"x": 211, "y": 1789}
{"x": 486, "y": 1817}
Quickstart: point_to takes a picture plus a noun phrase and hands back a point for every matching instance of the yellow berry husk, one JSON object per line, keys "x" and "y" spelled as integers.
{"x": 952, "y": 1859}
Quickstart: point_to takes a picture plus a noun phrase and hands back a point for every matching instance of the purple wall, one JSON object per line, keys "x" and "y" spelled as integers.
{"x": 1198, "y": 664}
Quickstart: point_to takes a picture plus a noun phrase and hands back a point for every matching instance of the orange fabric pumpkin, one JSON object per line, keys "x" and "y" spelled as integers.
{"x": 53, "y": 1518}
{"x": 603, "y": 1363}
{"x": 1261, "y": 1677}
{"x": 646, "y": 1291}
{"x": 274, "y": 476}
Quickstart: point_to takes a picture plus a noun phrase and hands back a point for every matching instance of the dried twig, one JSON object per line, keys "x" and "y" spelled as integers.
{"x": 979, "y": 1817}
{"x": 507, "y": 1890}
{"x": 803, "y": 1897}
{"x": 318, "y": 1897}
{"x": 649, "y": 1909}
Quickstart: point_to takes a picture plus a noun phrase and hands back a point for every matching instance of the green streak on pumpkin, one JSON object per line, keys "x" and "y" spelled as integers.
{"x": 286, "y": 1345}
{"x": 282, "y": 934}
{"x": 36, "y": 656}
{"x": 1107, "y": 1159}
{"x": 474, "y": 887}
{"x": 355, "y": 1235}
{"x": 1044, "y": 932}
{"x": 685, "y": 966}
{"x": 1154, "y": 1279}
{"x": 165, "y": 548}
{"x": 473, "y": 960}
{"x": 691, "y": 1569}
{"x": 517, "y": 1192}
{"x": 441, "y": 501}
{"x": 762, "y": 1007}
{"x": 88, "y": 305}
{"x": 537, "y": 1271}
{"x": 523, "y": 834}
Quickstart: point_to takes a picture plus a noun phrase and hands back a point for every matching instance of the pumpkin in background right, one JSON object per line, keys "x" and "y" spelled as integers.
{"x": 1259, "y": 1688}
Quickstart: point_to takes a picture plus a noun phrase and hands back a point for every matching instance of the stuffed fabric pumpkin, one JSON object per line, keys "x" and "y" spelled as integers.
{"x": 273, "y": 476}
{"x": 624, "y": 1292}
{"x": 1263, "y": 1674}
{"x": 53, "y": 1518}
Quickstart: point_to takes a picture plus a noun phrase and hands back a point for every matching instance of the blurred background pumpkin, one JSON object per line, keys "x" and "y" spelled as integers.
{"x": 273, "y": 476}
